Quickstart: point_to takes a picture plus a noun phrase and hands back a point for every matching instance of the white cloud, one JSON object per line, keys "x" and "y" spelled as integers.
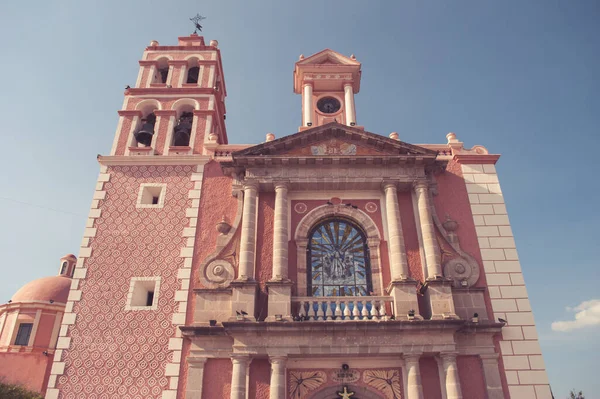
{"x": 588, "y": 314}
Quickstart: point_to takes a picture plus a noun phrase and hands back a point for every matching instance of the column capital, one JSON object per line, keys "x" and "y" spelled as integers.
{"x": 281, "y": 185}
{"x": 386, "y": 185}
{"x": 240, "y": 359}
{"x": 491, "y": 358}
{"x": 306, "y": 83}
{"x": 420, "y": 185}
{"x": 411, "y": 358}
{"x": 278, "y": 359}
{"x": 250, "y": 185}
{"x": 197, "y": 362}
{"x": 348, "y": 83}
{"x": 448, "y": 357}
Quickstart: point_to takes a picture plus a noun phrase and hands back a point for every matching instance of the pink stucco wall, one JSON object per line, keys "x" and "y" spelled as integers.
{"x": 472, "y": 380}
{"x": 409, "y": 231}
{"x": 430, "y": 378}
{"x": 30, "y": 370}
{"x": 217, "y": 378}
{"x": 260, "y": 376}
{"x": 116, "y": 352}
{"x": 264, "y": 249}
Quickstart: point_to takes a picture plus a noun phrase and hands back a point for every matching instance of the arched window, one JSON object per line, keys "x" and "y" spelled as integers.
{"x": 162, "y": 71}
{"x": 338, "y": 259}
{"x": 193, "y": 71}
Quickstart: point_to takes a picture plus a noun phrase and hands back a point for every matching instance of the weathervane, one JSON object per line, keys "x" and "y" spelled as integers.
{"x": 196, "y": 20}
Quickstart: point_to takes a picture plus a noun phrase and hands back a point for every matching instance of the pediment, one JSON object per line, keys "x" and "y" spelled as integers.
{"x": 327, "y": 57}
{"x": 334, "y": 140}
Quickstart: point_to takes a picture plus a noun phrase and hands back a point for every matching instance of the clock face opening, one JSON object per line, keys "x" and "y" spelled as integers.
{"x": 328, "y": 105}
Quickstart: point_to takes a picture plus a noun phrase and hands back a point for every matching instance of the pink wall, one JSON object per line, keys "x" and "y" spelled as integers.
{"x": 264, "y": 249}
{"x": 430, "y": 378}
{"x": 124, "y": 353}
{"x": 44, "y": 331}
{"x": 453, "y": 199}
{"x": 28, "y": 369}
{"x": 472, "y": 380}
{"x": 260, "y": 377}
{"x": 409, "y": 230}
{"x": 217, "y": 372}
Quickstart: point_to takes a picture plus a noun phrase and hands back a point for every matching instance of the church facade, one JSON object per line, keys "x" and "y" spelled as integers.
{"x": 329, "y": 263}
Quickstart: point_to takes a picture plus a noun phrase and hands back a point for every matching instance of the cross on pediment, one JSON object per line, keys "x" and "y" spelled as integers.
{"x": 345, "y": 394}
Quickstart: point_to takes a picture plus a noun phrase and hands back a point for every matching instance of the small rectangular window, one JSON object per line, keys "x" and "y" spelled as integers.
{"x": 151, "y": 195}
{"x": 23, "y": 334}
{"x": 143, "y": 293}
{"x": 150, "y": 298}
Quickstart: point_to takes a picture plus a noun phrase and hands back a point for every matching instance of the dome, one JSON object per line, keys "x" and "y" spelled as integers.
{"x": 44, "y": 289}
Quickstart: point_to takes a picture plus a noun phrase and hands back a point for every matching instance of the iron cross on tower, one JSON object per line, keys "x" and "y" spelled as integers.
{"x": 196, "y": 20}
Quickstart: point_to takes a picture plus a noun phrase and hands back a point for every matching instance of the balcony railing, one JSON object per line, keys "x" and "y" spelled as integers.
{"x": 343, "y": 308}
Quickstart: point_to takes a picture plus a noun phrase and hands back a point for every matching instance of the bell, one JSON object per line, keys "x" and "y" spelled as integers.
{"x": 144, "y": 135}
{"x": 181, "y": 134}
{"x": 193, "y": 75}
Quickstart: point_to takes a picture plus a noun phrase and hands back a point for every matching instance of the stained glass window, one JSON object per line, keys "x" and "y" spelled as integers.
{"x": 338, "y": 260}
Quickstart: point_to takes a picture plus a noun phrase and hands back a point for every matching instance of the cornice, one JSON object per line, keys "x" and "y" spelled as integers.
{"x": 122, "y": 160}
{"x": 476, "y": 158}
{"x": 135, "y": 91}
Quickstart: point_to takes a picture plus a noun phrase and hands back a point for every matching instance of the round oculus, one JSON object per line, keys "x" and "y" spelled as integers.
{"x": 328, "y": 105}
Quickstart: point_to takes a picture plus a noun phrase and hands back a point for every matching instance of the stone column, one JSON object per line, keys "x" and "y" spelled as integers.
{"x": 414, "y": 387}
{"x": 248, "y": 236}
{"x": 349, "y": 103}
{"x": 399, "y": 265}
{"x": 451, "y": 376}
{"x": 307, "y": 103}
{"x": 491, "y": 374}
{"x": 432, "y": 253}
{"x": 278, "y": 364}
{"x": 280, "y": 233}
{"x": 238, "y": 376}
{"x": 195, "y": 378}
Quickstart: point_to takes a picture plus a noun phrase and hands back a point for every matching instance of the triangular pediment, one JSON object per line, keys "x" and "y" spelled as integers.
{"x": 327, "y": 57}
{"x": 337, "y": 141}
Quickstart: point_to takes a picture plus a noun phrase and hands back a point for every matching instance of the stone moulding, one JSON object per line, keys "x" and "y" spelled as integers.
{"x": 215, "y": 271}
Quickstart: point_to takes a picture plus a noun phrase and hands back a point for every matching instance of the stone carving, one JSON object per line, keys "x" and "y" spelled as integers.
{"x": 464, "y": 272}
{"x": 219, "y": 273}
{"x": 371, "y": 207}
{"x": 342, "y": 149}
{"x": 300, "y": 207}
{"x": 345, "y": 376}
{"x": 386, "y": 381}
{"x": 303, "y": 382}
{"x": 217, "y": 270}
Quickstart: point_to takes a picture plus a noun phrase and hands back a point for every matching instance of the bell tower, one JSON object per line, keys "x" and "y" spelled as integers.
{"x": 327, "y": 81}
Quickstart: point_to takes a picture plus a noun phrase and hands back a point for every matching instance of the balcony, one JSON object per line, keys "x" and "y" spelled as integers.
{"x": 343, "y": 308}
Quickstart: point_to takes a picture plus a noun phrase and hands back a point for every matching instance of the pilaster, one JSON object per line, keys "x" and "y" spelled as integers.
{"x": 414, "y": 387}
{"x": 453, "y": 390}
{"x": 278, "y": 367}
{"x": 238, "y": 376}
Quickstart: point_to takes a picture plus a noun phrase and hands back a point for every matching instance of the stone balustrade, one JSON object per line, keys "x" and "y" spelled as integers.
{"x": 343, "y": 308}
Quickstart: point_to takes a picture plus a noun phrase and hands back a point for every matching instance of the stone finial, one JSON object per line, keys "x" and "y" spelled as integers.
{"x": 449, "y": 224}
{"x": 223, "y": 227}
{"x": 451, "y": 138}
{"x": 270, "y": 137}
{"x": 301, "y": 57}
{"x": 214, "y": 43}
{"x": 394, "y": 136}
{"x": 153, "y": 43}
{"x": 352, "y": 57}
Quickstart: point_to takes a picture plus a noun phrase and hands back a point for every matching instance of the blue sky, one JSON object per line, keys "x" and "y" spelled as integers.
{"x": 520, "y": 77}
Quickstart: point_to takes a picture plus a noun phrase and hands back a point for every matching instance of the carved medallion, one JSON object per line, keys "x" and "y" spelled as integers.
{"x": 219, "y": 273}
{"x": 300, "y": 207}
{"x": 371, "y": 207}
{"x": 464, "y": 272}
